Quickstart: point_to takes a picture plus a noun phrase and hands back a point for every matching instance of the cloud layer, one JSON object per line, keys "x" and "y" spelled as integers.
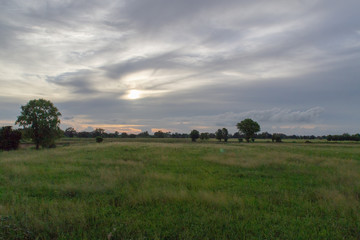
{"x": 288, "y": 64}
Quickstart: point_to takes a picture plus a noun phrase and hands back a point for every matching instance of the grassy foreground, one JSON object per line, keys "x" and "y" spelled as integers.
{"x": 181, "y": 191}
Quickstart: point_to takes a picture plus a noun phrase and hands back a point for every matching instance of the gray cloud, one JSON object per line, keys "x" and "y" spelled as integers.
{"x": 77, "y": 82}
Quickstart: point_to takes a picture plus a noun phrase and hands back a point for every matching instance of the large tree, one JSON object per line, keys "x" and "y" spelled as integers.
{"x": 248, "y": 127}
{"x": 194, "y": 135}
{"x": 42, "y": 119}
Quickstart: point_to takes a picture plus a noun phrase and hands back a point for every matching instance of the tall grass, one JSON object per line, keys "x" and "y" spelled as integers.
{"x": 140, "y": 190}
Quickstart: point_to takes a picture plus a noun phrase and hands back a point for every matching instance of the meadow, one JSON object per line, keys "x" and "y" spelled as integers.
{"x": 162, "y": 189}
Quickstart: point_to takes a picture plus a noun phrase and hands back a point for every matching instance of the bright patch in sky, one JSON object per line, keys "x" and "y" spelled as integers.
{"x": 134, "y": 94}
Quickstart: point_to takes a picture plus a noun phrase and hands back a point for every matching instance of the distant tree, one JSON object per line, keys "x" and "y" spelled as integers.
{"x": 70, "y": 132}
{"x": 132, "y": 135}
{"x": 194, "y": 135}
{"x": 144, "y": 134}
{"x": 264, "y": 135}
{"x": 9, "y": 139}
{"x": 84, "y": 134}
{"x": 159, "y": 134}
{"x": 204, "y": 136}
{"x": 99, "y": 132}
{"x": 219, "y": 134}
{"x": 212, "y": 135}
{"x": 124, "y": 135}
{"x": 248, "y": 127}
{"x": 116, "y": 134}
{"x": 225, "y": 134}
{"x": 276, "y": 137}
{"x": 42, "y": 119}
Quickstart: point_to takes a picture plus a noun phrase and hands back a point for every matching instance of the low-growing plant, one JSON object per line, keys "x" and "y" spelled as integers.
{"x": 99, "y": 139}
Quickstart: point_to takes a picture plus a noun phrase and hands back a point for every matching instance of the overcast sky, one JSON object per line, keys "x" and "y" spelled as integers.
{"x": 291, "y": 65}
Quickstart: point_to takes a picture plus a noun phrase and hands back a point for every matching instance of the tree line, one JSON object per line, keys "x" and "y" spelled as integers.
{"x": 40, "y": 120}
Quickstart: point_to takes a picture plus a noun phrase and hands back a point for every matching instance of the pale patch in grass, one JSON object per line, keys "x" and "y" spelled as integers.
{"x": 337, "y": 199}
{"x": 18, "y": 169}
{"x": 111, "y": 176}
{"x": 247, "y": 160}
{"x": 161, "y": 176}
{"x": 217, "y": 198}
{"x": 143, "y": 196}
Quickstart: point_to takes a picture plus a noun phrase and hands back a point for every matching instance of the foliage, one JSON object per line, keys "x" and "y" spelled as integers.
{"x": 204, "y": 136}
{"x": 276, "y": 138}
{"x": 248, "y": 127}
{"x": 219, "y": 134}
{"x": 99, "y": 139}
{"x": 159, "y": 134}
{"x": 194, "y": 134}
{"x": 98, "y": 132}
{"x": 9, "y": 139}
{"x": 225, "y": 134}
{"x": 42, "y": 119}
{"x": 70, "y": 132}
{"x": 144, "y": 134}
{"x": 344, "y": 137}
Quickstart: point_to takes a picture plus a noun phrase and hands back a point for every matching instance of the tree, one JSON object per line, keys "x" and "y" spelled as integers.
{"x": 248, "y": 127}
{"x": 204, "y": 136}
{"x": 70, "y": 132}
{"x": 144, "y": 134}
{"x": 9, "y": 139}
{"x": 225, "y": 134}
{"x": 276, "y": 137}
{"x": 219, "y": 134}
{"x": 159, "y": 134}
{"x": 42, "y": 118}
{"x": 99, "y": 132}
{"x": 194, "y": 135}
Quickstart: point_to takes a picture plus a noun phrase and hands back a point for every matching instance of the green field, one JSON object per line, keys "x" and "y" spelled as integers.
{"x": 181, "y": 190}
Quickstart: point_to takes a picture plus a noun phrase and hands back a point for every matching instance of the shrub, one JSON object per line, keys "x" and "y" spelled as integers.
{"x": 240, "y": 139}
{"x": 276, "y": 138}
{"x": 9, "y": 139}
{"x": 99, "y": 139}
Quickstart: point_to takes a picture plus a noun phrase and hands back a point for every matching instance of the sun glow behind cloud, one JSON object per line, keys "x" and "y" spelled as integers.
{"x": 133, "y": 94}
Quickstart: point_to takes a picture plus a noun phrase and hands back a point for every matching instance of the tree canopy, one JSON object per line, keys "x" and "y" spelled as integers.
{"x": 41, "y": 117}
{"x": 194, "y": 135}
{"x": 248, "y": 127}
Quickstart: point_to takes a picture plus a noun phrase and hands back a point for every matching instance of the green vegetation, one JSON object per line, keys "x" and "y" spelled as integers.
{"x": 194, "y": 134}
{"x": 9, "y": 138}
{"x": 181, "y": 190}
{"x": 42, "y": 119}
{"x": 248, "y": 127}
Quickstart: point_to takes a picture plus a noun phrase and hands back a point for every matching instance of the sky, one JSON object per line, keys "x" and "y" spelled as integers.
{"x": 146, "y": 65}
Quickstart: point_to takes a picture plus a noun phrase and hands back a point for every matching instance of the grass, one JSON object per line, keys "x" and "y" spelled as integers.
{"x": 181, "y": 190}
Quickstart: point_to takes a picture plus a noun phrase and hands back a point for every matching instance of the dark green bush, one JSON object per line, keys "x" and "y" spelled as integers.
{"x": 99, "y": 139}
{"x": 9, "y": 139}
